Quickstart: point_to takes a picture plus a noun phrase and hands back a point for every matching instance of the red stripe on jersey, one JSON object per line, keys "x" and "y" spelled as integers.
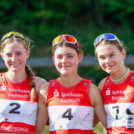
{"x": 118, "y": 93}
{"x": 118, "y": 101}
{"x": 69, "y": 108}
{"x": 61, "y": 95}
{"x": 119, "y": 130}
{"x": 14, "y": 91}
{"x": 72, "y": 131}
{"x": 9, "y": 127}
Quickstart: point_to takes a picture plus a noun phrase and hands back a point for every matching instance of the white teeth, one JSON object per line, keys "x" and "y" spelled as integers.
{"x": 14, "y": 64}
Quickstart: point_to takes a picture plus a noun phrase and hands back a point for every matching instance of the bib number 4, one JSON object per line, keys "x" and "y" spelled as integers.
{"x": 68, "y": 114}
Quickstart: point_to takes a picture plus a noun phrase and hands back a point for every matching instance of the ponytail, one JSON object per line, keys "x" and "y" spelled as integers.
{"x": 30, "y": 75}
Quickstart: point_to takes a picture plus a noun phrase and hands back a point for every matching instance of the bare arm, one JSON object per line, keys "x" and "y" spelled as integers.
{"x": 39, "y": 82}
{"x": 96, "y": 120}
{"x": 101, "y": 84}
{"x": 42, "y": 115}
{"x": 97, "y": 103}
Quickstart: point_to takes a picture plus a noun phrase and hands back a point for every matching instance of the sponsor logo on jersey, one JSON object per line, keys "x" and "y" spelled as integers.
{"x": 132, "y": 78}
{"x": 3, "y": 88}
{"x": 108, "y": 92}
{"x": 85, "y": 84}
{"x": 56, "y": 93}
{"x": 54, "y": 83}
{"x": 107, "y": 81}
{"x": 1, "y": 77}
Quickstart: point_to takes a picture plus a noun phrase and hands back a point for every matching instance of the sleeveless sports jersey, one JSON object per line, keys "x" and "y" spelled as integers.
{"x": 17, "y": 114}
{"x": 69, "y": 108}
{"x": 119, "y": 105}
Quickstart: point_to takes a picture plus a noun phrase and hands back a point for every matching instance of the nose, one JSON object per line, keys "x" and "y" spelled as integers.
{"x": 107, "y": 60}
{"x": 64, "y": 59}
{"x": 13, "y": 58}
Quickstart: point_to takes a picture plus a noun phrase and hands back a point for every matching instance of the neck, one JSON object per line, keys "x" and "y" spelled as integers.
{"x": 121, "y": 76}
{"x": 16, "y": 77}
{"x": 69, "y": 81}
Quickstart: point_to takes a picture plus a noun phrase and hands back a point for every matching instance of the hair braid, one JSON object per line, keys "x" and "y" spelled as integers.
{"x": 30, "y": 75}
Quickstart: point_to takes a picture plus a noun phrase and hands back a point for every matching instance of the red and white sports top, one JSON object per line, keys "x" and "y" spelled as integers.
{"x": 69, "y": 108}
{"x": 17, "y": 114}
{"x": 119, "y": 104}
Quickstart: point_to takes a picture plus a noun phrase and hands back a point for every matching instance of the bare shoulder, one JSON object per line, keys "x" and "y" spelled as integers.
{"x": 94, "y": 93}
{"x": 42, "y": 94}
{"x": 93, "y": 89}
{"x": 101, "y": 84}
{"x": 43, "y": 90}
{"x": 44, "y": 87}
{"x": 39, "y": 82}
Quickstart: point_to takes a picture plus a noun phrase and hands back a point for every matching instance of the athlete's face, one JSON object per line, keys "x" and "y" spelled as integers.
{"x": 66, "y": 60}
{"x": 110, "y": 58}
{"x": 14, "y": 56}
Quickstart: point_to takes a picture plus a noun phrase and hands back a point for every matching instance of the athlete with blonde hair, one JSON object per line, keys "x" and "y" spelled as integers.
{"x": 18, "y": 86}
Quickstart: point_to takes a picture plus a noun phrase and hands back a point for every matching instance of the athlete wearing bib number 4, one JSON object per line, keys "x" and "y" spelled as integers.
{"x": 118, "y": 88}
{"x": 18, "y": 87}
{"x": 69, "y": 100}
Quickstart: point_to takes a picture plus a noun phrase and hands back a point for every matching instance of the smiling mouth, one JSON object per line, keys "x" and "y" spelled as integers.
{"x": 109, "y": 66}
{"x": 65, "y": 66}
{"x": 14, "y": 64}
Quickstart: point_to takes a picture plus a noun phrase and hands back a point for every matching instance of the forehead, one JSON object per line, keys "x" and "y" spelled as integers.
{"x": 64, "y": 50}
{"x": 106, "y": 49}
{"x": 16, "y": 46}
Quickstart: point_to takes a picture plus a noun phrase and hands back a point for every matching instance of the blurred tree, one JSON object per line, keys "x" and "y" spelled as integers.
{"x": 42, "y": 20}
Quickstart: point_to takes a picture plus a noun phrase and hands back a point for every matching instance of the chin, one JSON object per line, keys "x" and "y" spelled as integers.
{"x": 65, "y": 73}
{"x": 109, "y": 71}
{"x": 15, "y": 70}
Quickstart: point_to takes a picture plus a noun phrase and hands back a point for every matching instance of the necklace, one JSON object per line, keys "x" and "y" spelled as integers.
{"x": 124, "y": 76}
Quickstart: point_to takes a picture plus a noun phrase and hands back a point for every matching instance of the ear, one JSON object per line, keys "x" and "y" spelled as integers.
{"x": 53, "y": 59}
{"x": 28, "y": 54}
{"x": 123, "y": 54}
{"x": 2, "y": 55}
{"x": 80, "y": 56}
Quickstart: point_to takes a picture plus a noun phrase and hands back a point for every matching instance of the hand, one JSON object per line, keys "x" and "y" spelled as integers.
{"x": 129, "y": 119}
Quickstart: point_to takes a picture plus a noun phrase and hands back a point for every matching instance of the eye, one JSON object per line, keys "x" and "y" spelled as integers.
{"x": 70, "y": 56}
{"x": 59, "y": 57}
{"x": 111, "y": 55}
{"x": 8, "y": 54}
{"x": 102, "y": 57}
{"x": 18, "y": 53}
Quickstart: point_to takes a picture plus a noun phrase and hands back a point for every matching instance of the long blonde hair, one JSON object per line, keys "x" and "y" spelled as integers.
{"x": 30, "y": 74}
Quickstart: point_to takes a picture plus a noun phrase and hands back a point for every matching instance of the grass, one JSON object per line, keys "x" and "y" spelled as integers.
{"x": 97, "y": 130}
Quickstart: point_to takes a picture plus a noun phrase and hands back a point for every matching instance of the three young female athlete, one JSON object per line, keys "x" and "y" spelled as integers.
{"x": 118, "y": 88}
{"x": 18, "y": 86}
{"x": 69, "y": 100}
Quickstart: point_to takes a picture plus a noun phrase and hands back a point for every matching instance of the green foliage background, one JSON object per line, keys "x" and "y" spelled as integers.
{"x": 42, "y": 20}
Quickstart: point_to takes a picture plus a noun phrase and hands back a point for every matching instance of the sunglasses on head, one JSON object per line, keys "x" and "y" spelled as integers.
{"x": 106, "y": 36}
{"x": 16, "y": 34}
{"x": 67, "y": 38}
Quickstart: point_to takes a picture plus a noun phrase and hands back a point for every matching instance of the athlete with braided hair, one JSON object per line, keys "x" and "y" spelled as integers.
{"x": 18, "y": 86}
